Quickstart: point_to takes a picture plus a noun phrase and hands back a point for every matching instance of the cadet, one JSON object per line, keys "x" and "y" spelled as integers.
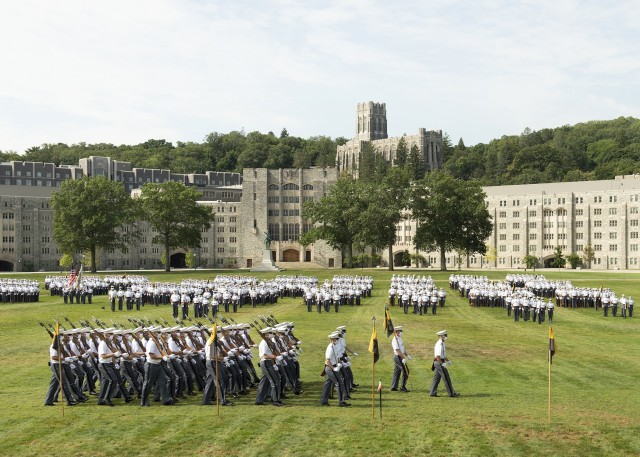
{"x": 438, "y": 367}
{"x": 400, "y": 358}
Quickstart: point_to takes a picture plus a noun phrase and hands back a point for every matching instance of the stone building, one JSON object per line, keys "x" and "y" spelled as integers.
{"x": 371, "y": 126}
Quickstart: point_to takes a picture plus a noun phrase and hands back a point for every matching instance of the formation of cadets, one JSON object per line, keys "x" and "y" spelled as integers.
{"x": 19, "y": 291}
{"x": 337, "y": 369}
{"x": 340, "y": 291}
{"x": 529, "y": 297}
{"x": 417, "y": 293}
{"x": 82, "y": 289}
{"x": 169, "y": 363}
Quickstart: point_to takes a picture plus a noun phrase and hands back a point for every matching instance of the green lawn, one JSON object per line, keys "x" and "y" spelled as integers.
{"x": 500, "y": 367}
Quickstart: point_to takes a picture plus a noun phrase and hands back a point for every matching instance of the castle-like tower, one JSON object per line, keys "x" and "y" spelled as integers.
{"x": 371, "y": 122}
{"x": 371, "y": 125}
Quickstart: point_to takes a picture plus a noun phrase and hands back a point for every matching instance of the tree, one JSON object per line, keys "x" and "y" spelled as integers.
{"x": 574, "y": 260}
{"x": 588, "y": 254}
{"x": 451, "y": 215}
{"x": 415, "y": 164}
{"x": 172, "y": 211}
{"x": 336, "y": 216}
{"x": 92, "y": 213}
{"x": 384, "y": 200}
{"x": 531, "y": 261}
{"x": 558, "y": 258}
{"x": 402, "y": 153}
{"x": 367, "y": 162}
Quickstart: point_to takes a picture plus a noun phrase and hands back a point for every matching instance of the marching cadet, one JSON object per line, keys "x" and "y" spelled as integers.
{"x": 154, "y": 374}
{"x": 112, "y": 298}
{"x": 550, "y": 307}
{"x": 623, "y": 306}
{"x": 120, "y": 296}
{"x": 630, "y": 304}
{"x": 332, "y": 374}
{"x": 110, "y": 381}
{"x": 185, "y": 299}
{"x": 175, "y": 302}
{"x": 216, "y": 382}
{"x": 392, "y": 296}
{"x": 442, "y": 297}
{"x": 55, "y": 359}
{"x": 439, "y": 369}
{"x": 400, "y": 358}
{"x": 270, "y": 380}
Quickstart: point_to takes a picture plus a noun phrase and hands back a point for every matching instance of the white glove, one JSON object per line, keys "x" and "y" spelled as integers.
{"x": 283, "y": 354}
{"x": 356, "y": 354}
{"x": 117, "y": 353}
{"x": 231, "y": 362}
{"x": 279, "y": 358}
{"x": 336, "y": 368}
{"x": 124, "y": 354}
{"x": 348, "y": 364}
{"x": 193, "y": 362}
{"x": 117, "y": 366}
{"x": 241, "y": 348}
{"x": 72, "y": 366}
{"x": 409, "y": 357}
{"x": 275, "y": 367}
{"x": 241, "y": 357}
{"x": 85, "y": 355}
{"x": 292, "y": 353}
{"x": 225, "y": 359}
{"x": 80, "y": 363}
{"x": 165, "y": 358}
{"x": 404, "y": 361}
{"x": 68, "y": 359}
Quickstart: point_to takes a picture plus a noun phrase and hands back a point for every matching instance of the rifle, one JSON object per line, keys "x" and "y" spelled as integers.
{"x": 45, "y": 327}
{"x": 70, "y": 323}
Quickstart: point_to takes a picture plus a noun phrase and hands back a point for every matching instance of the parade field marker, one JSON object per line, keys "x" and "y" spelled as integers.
{"x": 501, "y": 370}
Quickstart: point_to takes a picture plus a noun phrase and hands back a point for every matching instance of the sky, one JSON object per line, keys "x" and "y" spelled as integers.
{"x": 125, "y": 71}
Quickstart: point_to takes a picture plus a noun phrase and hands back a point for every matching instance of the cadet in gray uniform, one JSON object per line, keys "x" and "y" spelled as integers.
{"x": 439, "y": 369}
{"x": 400, "y": 358}
{"x": 332, "y": 374}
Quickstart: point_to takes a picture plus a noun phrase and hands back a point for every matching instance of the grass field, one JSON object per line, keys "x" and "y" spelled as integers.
{"x": 500, "y": 367}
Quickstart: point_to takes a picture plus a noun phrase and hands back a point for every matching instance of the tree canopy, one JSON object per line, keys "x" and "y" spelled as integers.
{"x": 92, "y": 213}
{"x": 451, "y": 215}
{"x": 171, "y": 209}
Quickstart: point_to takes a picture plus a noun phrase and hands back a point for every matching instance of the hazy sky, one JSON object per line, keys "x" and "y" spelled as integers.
{"x": 127, "y": 71}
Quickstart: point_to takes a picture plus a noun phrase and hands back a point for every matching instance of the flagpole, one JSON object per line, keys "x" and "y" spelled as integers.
{"x": 373, "y": 363}
{"x": 549, "y": 396}
{"x": 380, "y": 399}
{"x": 215, "y": 348}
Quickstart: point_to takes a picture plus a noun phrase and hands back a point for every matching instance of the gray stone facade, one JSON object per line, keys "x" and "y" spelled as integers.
{"x": 371, "y": 126}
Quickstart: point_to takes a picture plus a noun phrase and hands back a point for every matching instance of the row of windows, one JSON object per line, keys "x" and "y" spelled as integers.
{"x": 285, "y": 212}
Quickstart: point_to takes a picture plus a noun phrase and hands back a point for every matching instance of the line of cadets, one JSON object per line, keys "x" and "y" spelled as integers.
{"x": 173, "y": 362}
{"x": 19, "y": 290}
{"x": 340, "y": 291}
{"x": 416, "y": 292}
{"x": 337, "y": 369}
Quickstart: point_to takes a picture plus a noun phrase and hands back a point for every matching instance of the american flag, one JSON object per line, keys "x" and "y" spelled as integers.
{"x": 74, "y": 273}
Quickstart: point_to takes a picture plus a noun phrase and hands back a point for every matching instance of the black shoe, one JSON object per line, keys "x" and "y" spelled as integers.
{"x": 298, "y": 392}
{"x": 49, "y": 404}
{"x": 82, "y": 400}
{"x": 71, "y": 403}
{"x": 404, "y": 389}
{"x": 227, "y": 403}
{"x": 259, "y": 403}
{"x": 457, "y": 394}
{"x": 278, "y": 404}
{"x": 433, "y": 395}
{"x": 353, "y": 389}
{"x": 128, "y": 400}
{"x": 356, "y": 385}
{"x": 103, "y": 403}
{"x": 348, "y": 397}
{"x": 283, "y": 396}
{"x": 394, "y": 389}
{"x": 325, "y": 404}
{"x": 93, "y": 392}
{"x": 344, "y": 404}
{"x": 169, "y": 403}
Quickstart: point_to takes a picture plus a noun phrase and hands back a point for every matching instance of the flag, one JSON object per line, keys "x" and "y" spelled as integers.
{"x": 552, "y": 345}
{"x": 388, "y": 325}
{"x": 73, "y": 277}
{"x": 55, "y": 341}
{"x": 79, "y": 277}
{"x": 373, "y": 345}
{"x": 214, "y": 333}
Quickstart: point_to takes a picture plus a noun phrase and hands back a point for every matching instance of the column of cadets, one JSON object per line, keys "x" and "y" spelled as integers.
{"x": 166, "y": 363}
{"x": 416, "y": 293}
{"x": 340, "y": 291}
{"x": 524, "y": 296}
{"x": 19, "y": 290}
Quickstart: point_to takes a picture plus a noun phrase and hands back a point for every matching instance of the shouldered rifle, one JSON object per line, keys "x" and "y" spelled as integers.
{"x": 45, "y": 327}
{"x": 70, "y": 323}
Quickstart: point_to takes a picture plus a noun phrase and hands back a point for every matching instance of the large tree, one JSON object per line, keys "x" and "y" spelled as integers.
{"x": 451, "y": 215}
{"x": 91, "y": 213}
{"x": 336, "y": 217}
{"x": 385, "y": 200}
{"x": 171, "y": 209}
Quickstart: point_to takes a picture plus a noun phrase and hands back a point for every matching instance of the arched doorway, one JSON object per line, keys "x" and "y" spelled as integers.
{"x": 6, "y": 266}
{"x": 178, "y": 260}
{"x": 290, "y": 255}
{"x": 397, "y": 259}
{"x": 547, "y": 262}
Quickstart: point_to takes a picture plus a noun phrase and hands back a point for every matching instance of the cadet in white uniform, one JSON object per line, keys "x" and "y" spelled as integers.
{"x": 439, "y": 369}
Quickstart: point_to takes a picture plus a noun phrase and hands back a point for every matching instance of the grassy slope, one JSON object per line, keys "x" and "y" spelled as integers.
{"x": 499, "y": 366}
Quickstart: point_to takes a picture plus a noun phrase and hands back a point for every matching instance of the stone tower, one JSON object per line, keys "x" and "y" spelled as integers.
{"x": 371, "y": 122}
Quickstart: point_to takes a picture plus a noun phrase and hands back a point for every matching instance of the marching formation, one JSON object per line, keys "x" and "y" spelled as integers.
{"x": 170, "y": 363}
{"x": 416, "y": 292}
{"x": 342, "y": 290}
{"x": 19, "y": 290}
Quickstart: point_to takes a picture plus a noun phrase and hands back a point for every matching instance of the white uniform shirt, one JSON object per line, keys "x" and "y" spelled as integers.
{"x": 331, "y": 354}
{"x": 397, "y": 344}
{"x": 263, "y": 349}
{"x": 152, "y": 348}
{"x": 104, "y": 349}
{"x": 440, "y": 350}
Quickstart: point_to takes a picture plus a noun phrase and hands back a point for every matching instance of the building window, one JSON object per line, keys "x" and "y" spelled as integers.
{"x": 613, "y": 223}
{"x": 613, "y": 211}
{"x": 579, "y": 224}
{"x": 597, "y": 211}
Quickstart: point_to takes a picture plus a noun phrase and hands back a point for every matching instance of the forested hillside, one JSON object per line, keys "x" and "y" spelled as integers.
{"x": 585, "y": 151}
